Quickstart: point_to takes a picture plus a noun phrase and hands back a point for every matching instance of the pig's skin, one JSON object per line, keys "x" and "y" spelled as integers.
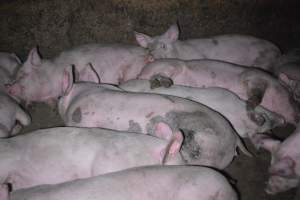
{"x": 240, "y": 49}
{"x": 288, "y": 71}
{"x": 221, "y": 100}
{"x": 9, "y": 62}
{"x": 285, "y": 163}
{"x": 248, "y": 83}
{"x": 147, "y": 183}
{"x": 62, "y": 154}
{"x": 209, "y": 138}
{"x": 40, "y": 80}
{"x": 11, "y": 114}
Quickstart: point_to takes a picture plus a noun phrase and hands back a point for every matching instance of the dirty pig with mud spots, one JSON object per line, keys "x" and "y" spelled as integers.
{"x": 115, "y": 109}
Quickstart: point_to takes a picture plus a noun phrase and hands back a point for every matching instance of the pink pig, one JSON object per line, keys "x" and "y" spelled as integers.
{"x": 40, "y": 80}
{"x": 244, "y": 50}
{"x": 253, "y": 85}
{"x": 285, "y": 163}
{"x": 12, "y": 116}
{"x": 209, "y": 138}
{"x": 140, "y": 183}
{"x": 55, "y": 155}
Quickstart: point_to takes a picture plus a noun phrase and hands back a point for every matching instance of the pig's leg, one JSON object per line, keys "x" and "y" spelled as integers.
{"x": 255, "y": 91}
{"x": 4, "y": 192}
{"x": 22, "y": 116}
{"x": 158, "y": 80}
{"x": 16, "y": 129}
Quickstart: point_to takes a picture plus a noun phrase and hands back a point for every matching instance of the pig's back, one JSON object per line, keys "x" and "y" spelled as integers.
{"x": 148, "y": 183}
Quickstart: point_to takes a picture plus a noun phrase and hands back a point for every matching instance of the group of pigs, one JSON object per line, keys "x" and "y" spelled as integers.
{"x": 129, "y": 110}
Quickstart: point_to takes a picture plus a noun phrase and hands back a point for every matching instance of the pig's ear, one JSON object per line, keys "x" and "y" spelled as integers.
{"x": 173, "y": 147}
{"x": 142, "y": 39}
{"x": 34, "y": 59}
{"x": 285, "y": 167}
{"x": 16, "y": 58}
{"x": 67, "y": 82}
{"x": 89, "y": 74}
{"x": 175, "y": 143}
{"x": 172, "y": 33}
{"x": 163, "y": 130}
{"x": 270, "y": 144}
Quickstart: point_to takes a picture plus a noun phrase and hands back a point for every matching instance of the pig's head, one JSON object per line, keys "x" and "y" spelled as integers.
{"x": 164, "y": 67}
{"x": 71, "y": 75}
{"x": 36, "y": 80}
{"x": 160, "y": 46}
{"x": 282, "y": 170}
{"x": 270, "y": 120}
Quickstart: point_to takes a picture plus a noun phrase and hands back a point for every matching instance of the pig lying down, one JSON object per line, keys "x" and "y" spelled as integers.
{"x": 221, "y": 100}
{"x": 40, "y": 79}
{"x": 142, "y": 183}
{"x": 253, "y": 85}
{"x": 12, "y": 116}
{"x": 56, "y": 155}
{"x": 285, "y": 163}
{"x": 239, "y": 49}
{"x": 209, "y": 138}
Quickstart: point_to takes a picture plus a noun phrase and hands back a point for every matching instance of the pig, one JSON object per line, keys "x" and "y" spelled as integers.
{"x": 55, "y": 155}
{"x": 39, "y": 80}
{"x": 12, "y": 116}
{"x": 147, "y": 183}
{"x": 209, "y": 138}
{"x": 288, "y": 71}
{"x": 239, "y": 49}
{"x": 254, "y": 86}
{"x": 285, "y": 162}
{"x": 219, "y": 99}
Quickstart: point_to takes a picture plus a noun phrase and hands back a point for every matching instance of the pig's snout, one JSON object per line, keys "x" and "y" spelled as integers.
{"x": 14, "y": 90}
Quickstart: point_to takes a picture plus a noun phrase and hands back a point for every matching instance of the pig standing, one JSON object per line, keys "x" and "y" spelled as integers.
{"x": 239, "y": 49}
{"x": 285, "y": 163}
{"x": 221, "y": 100}
{"x": 56, "y": 155}
{"x": 209, "y": 138}
{"x": 11, "y": 114}
{"x": 253, "y": 85}
{"x": 40, "y": 80}
{"x": 288, "y": 71}
{"x": 142, "y": 183}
